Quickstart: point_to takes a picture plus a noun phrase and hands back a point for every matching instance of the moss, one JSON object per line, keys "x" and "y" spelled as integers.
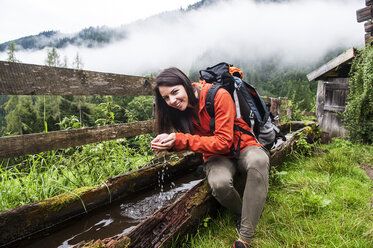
{"x": 58, "y": 202}
{"x": 199, "y": 197}
{"x": 309, "y": 123}
{"x": 94, "y": 244}
{"x": 123, "y": 242}
{"x": 307, "y": 129}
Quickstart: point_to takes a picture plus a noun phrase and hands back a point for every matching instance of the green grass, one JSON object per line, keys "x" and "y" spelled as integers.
{"x": 318, "y": 201}
{"x": 36, "y": 177}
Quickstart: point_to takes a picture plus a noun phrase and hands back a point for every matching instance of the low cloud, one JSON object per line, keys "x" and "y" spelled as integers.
{"x": 298, "y": 32}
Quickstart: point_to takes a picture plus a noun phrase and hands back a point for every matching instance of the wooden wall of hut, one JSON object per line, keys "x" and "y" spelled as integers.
{"x": 330, "y": 103}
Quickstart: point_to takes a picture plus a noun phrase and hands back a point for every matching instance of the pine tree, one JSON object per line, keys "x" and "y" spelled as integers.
{"x": 78, "y": 64}
{"x": 13, "y": 106}
{"x": 53, "y": 58}
{"x": 11, "y": 53}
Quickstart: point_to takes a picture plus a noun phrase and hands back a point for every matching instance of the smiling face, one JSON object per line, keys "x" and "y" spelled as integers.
{"x": 175, "y": 96}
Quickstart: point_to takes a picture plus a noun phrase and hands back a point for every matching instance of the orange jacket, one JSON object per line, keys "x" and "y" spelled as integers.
{"x": 219, "y": 142}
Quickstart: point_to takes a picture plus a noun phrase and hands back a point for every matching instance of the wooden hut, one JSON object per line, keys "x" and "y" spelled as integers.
{"x": 332, "y": 91}
{"x": 333, "y": 80}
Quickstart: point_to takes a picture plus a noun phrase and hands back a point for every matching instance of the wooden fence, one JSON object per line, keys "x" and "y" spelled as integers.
{"x": 28, "y": 79}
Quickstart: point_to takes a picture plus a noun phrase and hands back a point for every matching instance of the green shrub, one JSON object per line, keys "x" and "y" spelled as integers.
{"x": 358, "y": 116}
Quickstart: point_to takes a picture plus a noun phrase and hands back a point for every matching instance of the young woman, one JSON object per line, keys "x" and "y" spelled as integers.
{"x": 183, "y": 124}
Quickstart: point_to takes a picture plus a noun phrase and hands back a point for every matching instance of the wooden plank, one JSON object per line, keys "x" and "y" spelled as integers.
{"x": 320, "y": 100}
{"x": 334, "y": 108}
{"x": 12, "y": 146}
{"x": 332, "y": 64}
{"x": 28, "y": 79}
{"x": 368, "y": 26}
{"x": 336, "y": 86}
{"x": 364, "y": 14}
{"x": 368, "y": 38}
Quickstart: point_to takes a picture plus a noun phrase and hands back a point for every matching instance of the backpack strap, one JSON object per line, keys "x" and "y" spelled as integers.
{"x": 209, "y": 103}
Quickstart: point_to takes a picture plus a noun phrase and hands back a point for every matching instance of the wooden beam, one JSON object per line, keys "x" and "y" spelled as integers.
{"x": 364, "y": 14}
{"x": 332, "y": 64}
{"x": 28, "y": 79}
{"x": 12, "y": 146}
{"x": 334, "y": 108}
{"x": 337, "y": 86}
{"x": 368, "y": 38}
{"x": 368, "y": 26}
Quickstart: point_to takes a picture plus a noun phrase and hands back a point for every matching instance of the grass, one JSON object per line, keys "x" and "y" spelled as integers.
{"x": 37, "y": 177}
{"x": 318, "y": 201}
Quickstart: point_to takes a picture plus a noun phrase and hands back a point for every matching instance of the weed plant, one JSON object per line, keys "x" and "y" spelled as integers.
{"x": 36, "y": 177}
{"x": 322, "y": 200}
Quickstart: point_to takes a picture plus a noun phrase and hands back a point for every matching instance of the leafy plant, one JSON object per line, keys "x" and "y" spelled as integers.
{"x": 108, "y": 109}
{"x": 70, "y": 122}
{"x": 313, "y": 202}
{"x": 358, "y": 116}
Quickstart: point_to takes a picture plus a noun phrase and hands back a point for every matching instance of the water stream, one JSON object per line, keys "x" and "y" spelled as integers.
{"x": 117, "y": 218}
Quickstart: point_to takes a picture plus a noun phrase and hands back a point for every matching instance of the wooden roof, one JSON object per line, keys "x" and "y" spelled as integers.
{"x": 338, "y": 67}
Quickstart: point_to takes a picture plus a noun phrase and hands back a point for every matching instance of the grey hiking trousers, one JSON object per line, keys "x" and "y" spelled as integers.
{"x": 250, "y": 174}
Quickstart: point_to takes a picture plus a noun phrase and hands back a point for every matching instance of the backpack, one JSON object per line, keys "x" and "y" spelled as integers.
{"x": 249, "y": 104}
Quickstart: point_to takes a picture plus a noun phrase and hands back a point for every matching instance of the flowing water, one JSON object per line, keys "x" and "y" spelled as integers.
{"x": 117, "y": 218}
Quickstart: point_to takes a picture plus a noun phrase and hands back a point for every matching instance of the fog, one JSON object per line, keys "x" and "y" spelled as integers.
{"x": 299, "y": 32}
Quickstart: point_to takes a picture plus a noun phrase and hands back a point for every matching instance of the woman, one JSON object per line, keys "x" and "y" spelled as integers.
{"x": 180, "y": 106}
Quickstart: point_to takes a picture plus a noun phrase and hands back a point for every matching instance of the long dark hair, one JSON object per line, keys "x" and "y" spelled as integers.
{"x": 168, "y": 118}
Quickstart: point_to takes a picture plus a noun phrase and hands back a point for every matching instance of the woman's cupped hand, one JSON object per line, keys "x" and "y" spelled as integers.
{"x": 163, "y": 142}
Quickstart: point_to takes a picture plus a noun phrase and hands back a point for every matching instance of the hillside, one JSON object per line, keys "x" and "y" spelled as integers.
{"x": 91, "y": 36}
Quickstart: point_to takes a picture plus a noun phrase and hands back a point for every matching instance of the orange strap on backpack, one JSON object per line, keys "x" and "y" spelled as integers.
{"x": 234, "y": 71}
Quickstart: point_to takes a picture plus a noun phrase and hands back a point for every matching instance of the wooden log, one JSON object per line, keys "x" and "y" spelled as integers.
{"x": 29, "y": 219}
{"x": 368, "y": 26}
{"x": 28, "y": 79}
{"x": 292, "y": 126}
{"x": 310, "y": 133}
{"x": 11, "y": 146}
{"x": 364, "y": 14}
{"x": 169, "y": 225}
